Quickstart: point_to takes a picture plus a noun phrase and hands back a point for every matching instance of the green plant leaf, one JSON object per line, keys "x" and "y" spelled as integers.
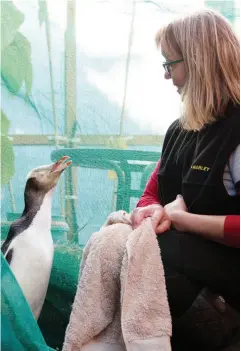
{"x": 7, "y": 160}
{"x": 5, "y": 124}
{"x": 16, "y": 64}
{"x": 11, "y": 19}
{"x": 7, "y": 152}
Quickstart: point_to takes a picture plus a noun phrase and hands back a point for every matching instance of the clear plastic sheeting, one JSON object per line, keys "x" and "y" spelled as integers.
{"x": 85, "y": 79}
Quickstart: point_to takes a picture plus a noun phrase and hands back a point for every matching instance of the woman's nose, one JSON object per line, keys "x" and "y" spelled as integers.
{"x": 167, "y": 75}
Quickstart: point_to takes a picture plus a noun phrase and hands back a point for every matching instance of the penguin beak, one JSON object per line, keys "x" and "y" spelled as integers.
{"x": 60, "y": 165}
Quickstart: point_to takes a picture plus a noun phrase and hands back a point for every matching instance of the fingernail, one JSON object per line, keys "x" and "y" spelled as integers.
{"x": 179, "y": 196}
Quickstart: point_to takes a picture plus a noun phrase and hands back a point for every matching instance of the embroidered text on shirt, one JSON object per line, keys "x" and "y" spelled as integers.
{"x": 200, "y": 168}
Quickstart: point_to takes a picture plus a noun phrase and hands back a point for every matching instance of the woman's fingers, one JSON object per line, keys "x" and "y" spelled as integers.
{"x": 156, "y": 217}
{"x": 137, "y": 217}
{"x": 139, "y": 214}
{"x": 160, "y": 220}
{"x": 177, "y": 205}
{"x": 163, "y": 226}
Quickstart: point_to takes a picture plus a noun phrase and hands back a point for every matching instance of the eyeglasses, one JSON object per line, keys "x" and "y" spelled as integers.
{"x": 167, "y": 65}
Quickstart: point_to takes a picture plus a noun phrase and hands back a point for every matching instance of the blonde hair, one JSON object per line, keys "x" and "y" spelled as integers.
{"x": 211, "y": 55}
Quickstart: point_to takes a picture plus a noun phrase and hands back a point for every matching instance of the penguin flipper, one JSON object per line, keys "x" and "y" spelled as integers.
{"x": 5, "y": 246}
{"x": 9, "y": 256}
{"x": 12, "y": 233}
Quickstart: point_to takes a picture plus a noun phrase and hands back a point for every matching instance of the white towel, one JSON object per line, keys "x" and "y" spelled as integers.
{"x": 121, "y": 301}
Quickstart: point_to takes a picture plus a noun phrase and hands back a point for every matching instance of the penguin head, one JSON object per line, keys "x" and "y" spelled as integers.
{"x": 45, "y": 178}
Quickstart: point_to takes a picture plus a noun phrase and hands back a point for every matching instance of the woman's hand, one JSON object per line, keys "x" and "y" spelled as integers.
{"x": 176, "y": 205}
{"x": 175, "y": 211}
{"x": 160, "y": 220}
{"x": 210, "y": 227}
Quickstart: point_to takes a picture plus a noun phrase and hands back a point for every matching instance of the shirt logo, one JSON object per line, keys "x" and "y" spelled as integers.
{"x": 200, "y": 168}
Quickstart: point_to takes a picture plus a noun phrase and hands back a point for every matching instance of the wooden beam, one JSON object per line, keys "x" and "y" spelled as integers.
{"x": 87, "y": 140}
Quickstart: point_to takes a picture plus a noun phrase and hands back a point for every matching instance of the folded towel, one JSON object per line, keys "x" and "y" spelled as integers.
{"x": 121, "y": 301}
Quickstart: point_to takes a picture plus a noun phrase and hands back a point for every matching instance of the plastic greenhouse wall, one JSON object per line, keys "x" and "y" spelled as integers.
{"x": 83, "y": 74}
{"x": 83, "y": 78}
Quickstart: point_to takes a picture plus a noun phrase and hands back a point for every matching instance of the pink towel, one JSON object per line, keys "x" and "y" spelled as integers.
{"x": 121, "y": 301}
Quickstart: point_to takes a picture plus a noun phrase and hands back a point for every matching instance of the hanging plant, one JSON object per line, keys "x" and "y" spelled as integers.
{"x": 16, "y": 74}
{"x": 7, "y": 154}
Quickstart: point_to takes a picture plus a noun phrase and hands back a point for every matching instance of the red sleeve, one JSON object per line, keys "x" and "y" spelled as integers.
{"x": 232, "y": 230}
{"x": 150, "y": 195}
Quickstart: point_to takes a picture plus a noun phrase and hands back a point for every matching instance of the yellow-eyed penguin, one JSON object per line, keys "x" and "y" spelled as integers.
{"x": 29, "y": 247}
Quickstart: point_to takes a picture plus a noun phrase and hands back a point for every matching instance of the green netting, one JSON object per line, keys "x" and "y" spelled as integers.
{"x": 60, "y": 296}
{"x": 82, "y": 78}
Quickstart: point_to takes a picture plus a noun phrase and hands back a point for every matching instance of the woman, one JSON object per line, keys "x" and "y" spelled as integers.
{"x": 195, "y": 186}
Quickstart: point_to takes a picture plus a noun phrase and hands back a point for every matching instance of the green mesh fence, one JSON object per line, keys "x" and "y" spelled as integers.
{"x": 79, "y": 78}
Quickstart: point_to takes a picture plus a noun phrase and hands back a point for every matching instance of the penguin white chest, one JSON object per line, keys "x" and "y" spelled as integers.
{"x": 32, "y": 258}
{"x": 31, "y": 264}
